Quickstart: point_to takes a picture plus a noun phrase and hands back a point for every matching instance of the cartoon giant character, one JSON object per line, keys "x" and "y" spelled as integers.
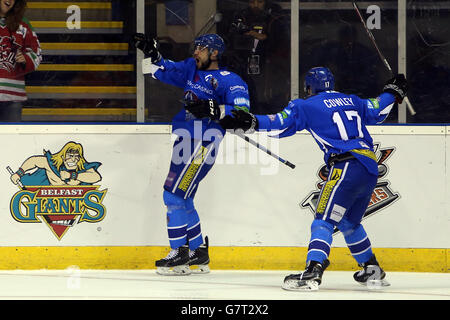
{"x": 66, "y": 167}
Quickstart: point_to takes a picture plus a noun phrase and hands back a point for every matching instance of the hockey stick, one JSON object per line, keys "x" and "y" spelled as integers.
{"x": 18, "y": 182}
{"x": 256, "y": 144}
{"x": 262, "y": 148}
{"x": 383, "y": 59}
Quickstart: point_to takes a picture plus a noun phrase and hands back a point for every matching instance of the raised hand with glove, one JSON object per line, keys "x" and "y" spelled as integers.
{"x": 397, "y": 86}
{"x": 149, "y": 46}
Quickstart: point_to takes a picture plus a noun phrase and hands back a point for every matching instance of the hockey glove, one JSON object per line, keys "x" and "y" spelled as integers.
{"x": 397, "y": 86}
{"x": 241, "y": 120}
{"x": 206, "y": 109}
{"x": 148, "y": 46}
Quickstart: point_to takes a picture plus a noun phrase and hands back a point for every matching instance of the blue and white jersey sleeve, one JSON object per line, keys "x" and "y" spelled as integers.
{"x": 236, "y": 95}
{"x": 174, "y": 73}
{"x": 291, "y": 119}
{"x": 376, "y": 110}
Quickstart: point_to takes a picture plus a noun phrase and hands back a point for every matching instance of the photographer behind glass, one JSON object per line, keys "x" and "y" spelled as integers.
{"x": 247, "y": 35}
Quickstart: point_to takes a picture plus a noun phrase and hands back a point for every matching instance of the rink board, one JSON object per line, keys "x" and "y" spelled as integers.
{"x": 256, "y": 211}
{"x": 222, "y": 258}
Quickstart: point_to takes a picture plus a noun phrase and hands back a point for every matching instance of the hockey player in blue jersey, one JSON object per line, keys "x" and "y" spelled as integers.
{"x": 337, "y": 122}
{"x": 206, "y": 86}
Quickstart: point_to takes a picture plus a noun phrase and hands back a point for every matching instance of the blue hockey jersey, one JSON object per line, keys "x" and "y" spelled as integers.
{"x": 226, "y": 87}
{"x": 336, "y": 121}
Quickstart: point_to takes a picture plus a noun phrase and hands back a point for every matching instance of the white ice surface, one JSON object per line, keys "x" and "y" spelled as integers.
{"x": 217, "y": 285}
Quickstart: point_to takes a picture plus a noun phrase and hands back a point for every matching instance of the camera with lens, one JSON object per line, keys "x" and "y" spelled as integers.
{"x": 239, "y": 26}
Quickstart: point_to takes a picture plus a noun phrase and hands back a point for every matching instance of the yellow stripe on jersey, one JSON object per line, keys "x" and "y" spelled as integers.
{"x": 327, "y": 189}
{"x": 193, "y": 168}
{"x": 364, "y": 152}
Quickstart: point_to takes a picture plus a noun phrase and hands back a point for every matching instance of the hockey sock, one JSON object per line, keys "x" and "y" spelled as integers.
{"x": 358, "y": 243}
{"x": 177, "y": 220}
{"x": 321, "y": 239}
{"x": 194, "y": 232}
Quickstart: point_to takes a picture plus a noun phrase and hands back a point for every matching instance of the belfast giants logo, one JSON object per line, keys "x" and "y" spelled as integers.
{"x": 58, "y": 189}
{"x": 382, "y": 195}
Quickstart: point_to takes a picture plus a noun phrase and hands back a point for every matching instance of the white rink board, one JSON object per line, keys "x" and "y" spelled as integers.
{"x": 252, "y": 202}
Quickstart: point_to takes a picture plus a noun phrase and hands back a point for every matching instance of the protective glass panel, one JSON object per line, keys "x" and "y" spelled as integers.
{"x": 88, "y": 68}
{"x": 172, "y": 23}
{"x": 257, "y": 33}
{"x": 87, "y": 72}
{"x": 257, "y": 39}
{"x": 428, "y": 60}
{"x": 332, "y": 35}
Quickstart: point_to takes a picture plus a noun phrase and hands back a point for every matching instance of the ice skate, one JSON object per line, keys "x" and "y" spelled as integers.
{"x": 371, "y": 275}
{"x": 308, "y": 280}
{"x": 175, "y": 263}
{"x": 199, "y": 258}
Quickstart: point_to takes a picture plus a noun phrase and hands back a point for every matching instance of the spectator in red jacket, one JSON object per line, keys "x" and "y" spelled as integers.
{"x": 20, "y": 53}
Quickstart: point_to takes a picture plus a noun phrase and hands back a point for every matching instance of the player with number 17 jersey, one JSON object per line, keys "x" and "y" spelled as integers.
{"x": 337, "y": 122}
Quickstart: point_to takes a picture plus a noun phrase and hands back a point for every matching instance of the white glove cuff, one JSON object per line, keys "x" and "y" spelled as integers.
{"x": 149, "y": 68}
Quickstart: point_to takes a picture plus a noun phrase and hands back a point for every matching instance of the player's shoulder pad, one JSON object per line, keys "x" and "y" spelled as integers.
{"x": 225, "y": 73}
{"x": 297, "y": 105}
{"x": 362, "y": 102}
{"x": 231, "y": 80}
{"x": 291, "y": 106}
{"x": 190, "y": 61}
{"x": 296, "y": 102}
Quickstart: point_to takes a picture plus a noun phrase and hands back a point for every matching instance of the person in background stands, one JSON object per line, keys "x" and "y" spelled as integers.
{"x": 20, "y": 53}
{"x": 247, "y": 37}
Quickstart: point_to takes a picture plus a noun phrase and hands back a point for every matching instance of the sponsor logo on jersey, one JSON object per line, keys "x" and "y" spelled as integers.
{"x": 241, "y": 101}
{"x": 212, "y": 81}
{"x": 373, "y": 104}
{"x": 382, "y": 195}
{"x": 199, "y": 87}
{"x": 190, "y": 96}
{"x": 238, "y": 88}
